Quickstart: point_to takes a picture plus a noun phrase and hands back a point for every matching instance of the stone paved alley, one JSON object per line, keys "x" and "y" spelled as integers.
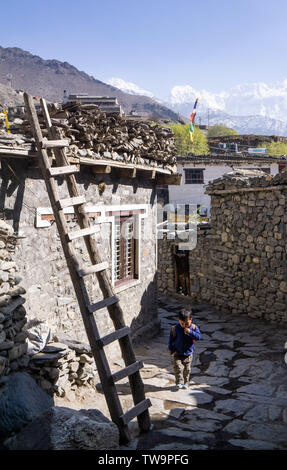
{"x": 237, "y": 397}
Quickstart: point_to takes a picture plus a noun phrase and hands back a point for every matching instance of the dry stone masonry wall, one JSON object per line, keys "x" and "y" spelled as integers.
{"x": 60, "y": 363}
{"x": 240, "y": 263}
{"x": 62, "y": 366}
{"x": 13, "y": 346}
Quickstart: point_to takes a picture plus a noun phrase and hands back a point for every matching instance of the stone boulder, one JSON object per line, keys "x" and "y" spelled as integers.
{"x": 21, "y": 401}
{"x": 65, "y": 429}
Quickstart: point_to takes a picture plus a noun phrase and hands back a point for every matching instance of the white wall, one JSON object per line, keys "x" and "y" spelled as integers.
{"x": 194, "y": 193}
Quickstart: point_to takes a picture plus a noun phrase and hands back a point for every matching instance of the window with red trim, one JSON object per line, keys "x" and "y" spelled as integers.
{"x": 124, "y": 250}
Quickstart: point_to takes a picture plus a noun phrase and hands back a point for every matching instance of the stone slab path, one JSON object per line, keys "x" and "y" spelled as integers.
{"x": 238, "y": 388}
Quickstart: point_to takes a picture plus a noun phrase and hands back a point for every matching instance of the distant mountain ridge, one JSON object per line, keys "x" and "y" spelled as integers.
{"x": 256, "y": 108}
{"x": 49, "y": 79}
{"x": 248, "y": 124}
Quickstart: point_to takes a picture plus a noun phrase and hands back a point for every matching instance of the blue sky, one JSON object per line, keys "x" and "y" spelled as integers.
{"x": 211, "y": 44}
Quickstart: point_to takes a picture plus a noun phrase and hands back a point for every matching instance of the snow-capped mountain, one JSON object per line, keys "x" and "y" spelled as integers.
{"x": 128, "y": 87}
{"x": 256, "y": 98}
{"x": 256, "y": 108}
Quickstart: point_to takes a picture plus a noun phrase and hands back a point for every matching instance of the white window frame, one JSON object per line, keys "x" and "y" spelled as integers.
{"x": 103, "y": 218}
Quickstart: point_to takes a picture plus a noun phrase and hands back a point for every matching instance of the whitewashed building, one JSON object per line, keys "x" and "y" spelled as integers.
{"x": 198, "y": 171}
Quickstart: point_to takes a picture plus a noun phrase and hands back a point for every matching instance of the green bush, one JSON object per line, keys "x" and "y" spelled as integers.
{"x": 276, "y": 148}
{"x": 183, "y": 143}
{"x": 220, "y": 130}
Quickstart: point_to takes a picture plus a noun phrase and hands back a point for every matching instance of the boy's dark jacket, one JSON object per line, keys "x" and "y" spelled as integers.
{"x": 183, "y": 342}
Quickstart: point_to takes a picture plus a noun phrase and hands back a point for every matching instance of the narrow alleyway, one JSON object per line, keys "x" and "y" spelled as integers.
{"x": 238, "y": 390}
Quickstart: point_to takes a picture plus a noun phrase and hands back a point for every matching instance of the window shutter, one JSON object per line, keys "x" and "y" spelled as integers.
{"x": 124, "y": 249}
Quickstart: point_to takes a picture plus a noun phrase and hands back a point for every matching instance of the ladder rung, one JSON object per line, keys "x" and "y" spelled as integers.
{"x": 103, "y": 303}
{"x": 135, "y": 411}
{"x": 71, "y": 201}
{"x": 95, "y": 268}
{"x": 82, "y": 233}
{"x": 62, "y": 170}
{"x": 127, "y": 371}
{"x": 113, "y": 336}
{"x": 47, "y": 144}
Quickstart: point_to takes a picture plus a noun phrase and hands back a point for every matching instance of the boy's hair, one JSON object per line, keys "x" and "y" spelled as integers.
{"x": 185, "y": 314}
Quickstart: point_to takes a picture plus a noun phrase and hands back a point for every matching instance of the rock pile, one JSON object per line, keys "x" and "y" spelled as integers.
{"x": 243, "y": 178}
{"x": 60, "y": 367}
{"x": 13, "y": 345}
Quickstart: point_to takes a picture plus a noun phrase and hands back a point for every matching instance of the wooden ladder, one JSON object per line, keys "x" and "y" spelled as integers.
{"x": 78, "y": 274}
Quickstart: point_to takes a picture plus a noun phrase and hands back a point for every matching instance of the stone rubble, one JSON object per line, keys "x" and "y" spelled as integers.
{"x": 13, "y": 346}
{"x": 63, "y": 366}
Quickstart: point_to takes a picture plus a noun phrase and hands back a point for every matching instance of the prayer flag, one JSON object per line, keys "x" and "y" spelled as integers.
{"x": 192, "y": 117}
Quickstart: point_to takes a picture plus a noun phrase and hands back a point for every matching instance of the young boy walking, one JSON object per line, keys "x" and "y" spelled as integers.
{"x": 181, "y": 346}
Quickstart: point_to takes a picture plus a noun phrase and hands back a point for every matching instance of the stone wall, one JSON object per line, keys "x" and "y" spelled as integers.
{"x": 13, "y": 346}
{"x": 50, "y": 294}
{"x": 240, "y": 263}
{"x": 166, "y": 266}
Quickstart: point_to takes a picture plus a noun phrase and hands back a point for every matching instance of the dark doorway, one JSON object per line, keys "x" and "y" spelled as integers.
{"x": 182, "y": 281}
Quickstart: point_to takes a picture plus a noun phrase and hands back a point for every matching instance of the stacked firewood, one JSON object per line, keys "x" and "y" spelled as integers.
{"x": 95, "y": 134}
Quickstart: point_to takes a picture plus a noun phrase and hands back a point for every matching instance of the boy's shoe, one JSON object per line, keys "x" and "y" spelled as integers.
{"x": 179, "y": 386}
{"x": 185, "y": 386}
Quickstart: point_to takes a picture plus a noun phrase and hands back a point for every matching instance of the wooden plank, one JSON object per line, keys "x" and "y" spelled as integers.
{"x": 117, "y": 164}
{"x": 110, "y": 338}
{"x": 138, "y": 409}
{"x": 61, "y": 143}
{"x": 84, "y": 232}
{"x": 63, "y": 170}
{"x": 126, "y": 372}
{"x": 174, "y": 179}
{"x": 95, "y": 268}
{"x": 103, "y": 303}
{"x": 71, "y": 201}
{"x": 17, "y": 153}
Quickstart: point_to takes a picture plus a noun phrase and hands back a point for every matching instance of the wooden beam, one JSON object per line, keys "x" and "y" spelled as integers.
{"x": 174, "y": 179}
{"x": 60, "y": 143}
{"x": 117, "y": 334}
{"x": 101, "y": 169}
{"x": 135, "y": 411}
{"x": 148, "y": 174}
{"x": 103, "y": 303}
{"x": 117, "y": 164}
{"x": 127, "y": 172}
{"x": 127, "y": 371}
{"x": 63, "y": 170}
{"x": 17, "y": 153}
{"x": 94, "y": 268}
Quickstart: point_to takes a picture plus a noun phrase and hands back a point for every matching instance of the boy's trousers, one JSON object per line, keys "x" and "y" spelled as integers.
{"x": 182, "y": 365}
